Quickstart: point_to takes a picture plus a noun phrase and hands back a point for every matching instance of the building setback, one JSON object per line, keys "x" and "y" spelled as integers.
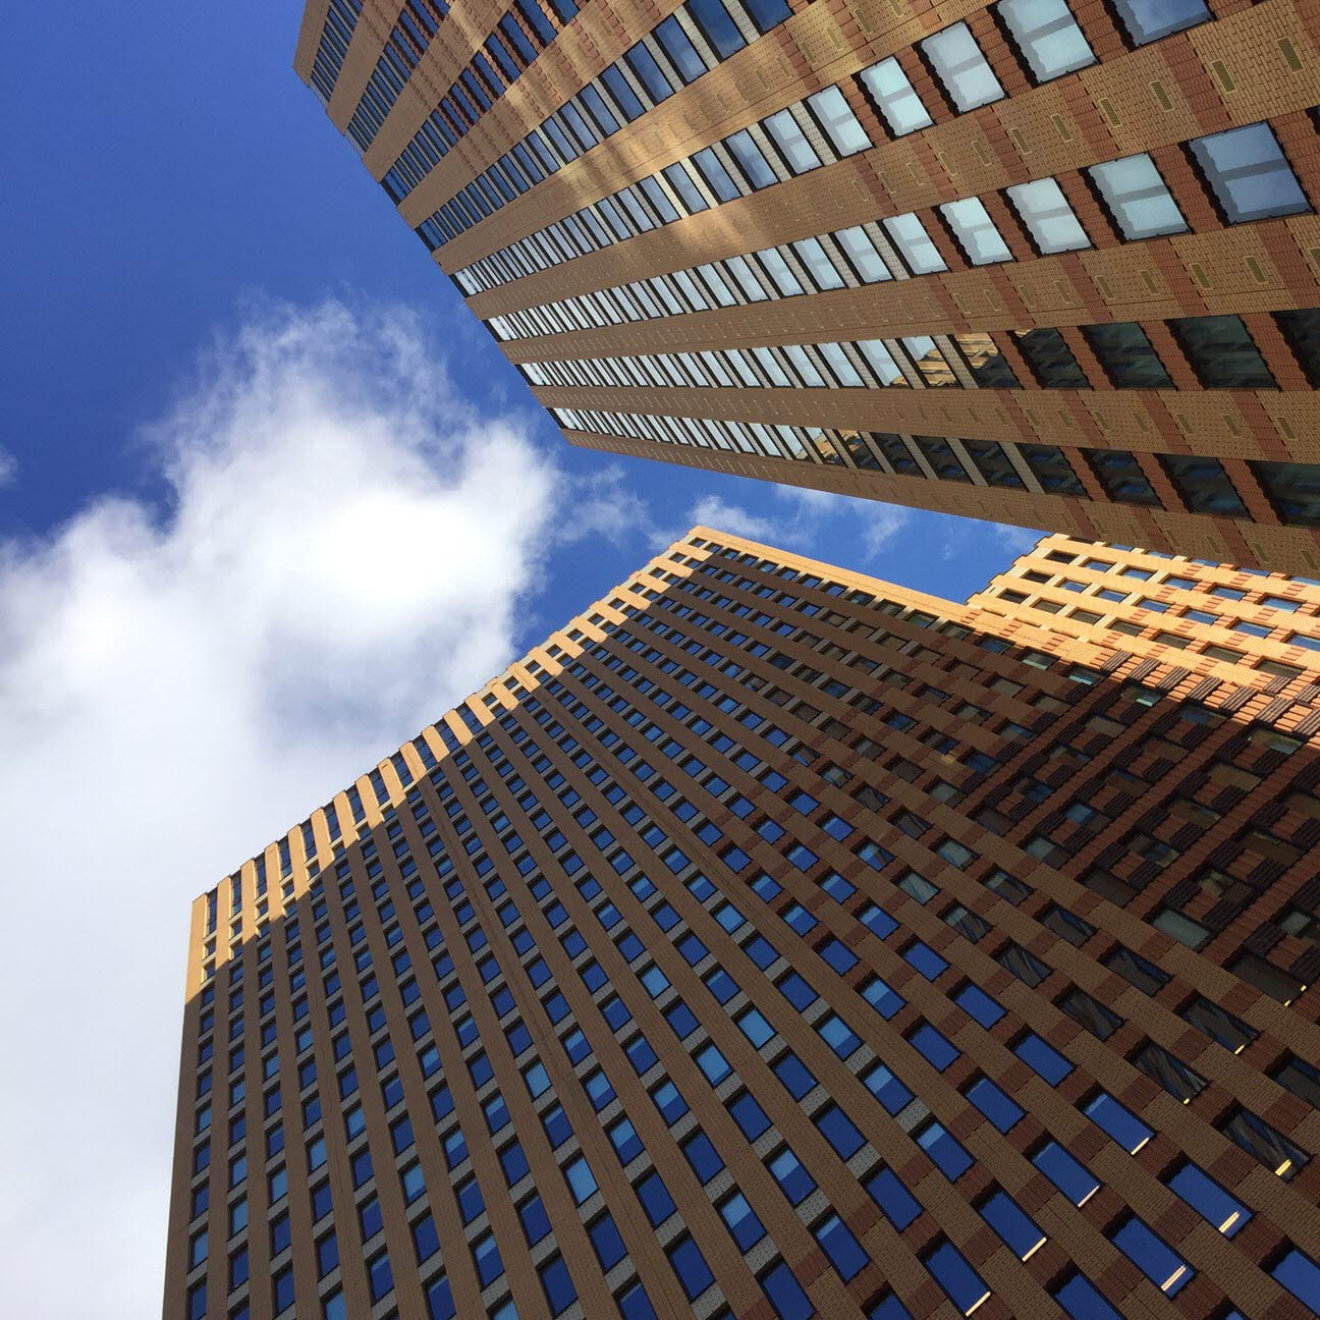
{"x": 775, "y": 942}
{"x": 753, "y": 235}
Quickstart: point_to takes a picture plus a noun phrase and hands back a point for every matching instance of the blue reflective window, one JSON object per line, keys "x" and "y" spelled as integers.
{"x": 738, "y": 1215}
{"x": 886, "y": 1088}
{"x": 888, "y": 1191}
{"x": 925, "y": 960}
{"x": 1043, "y": 1058}
{"x": 839, "y": 1130}
{"x": 1209, "y": 1199}
{"x": 690, "y": 1266}
{"x": 978, "y": 1005}
{"x": 946, "y": 1151}
{"x": 1074, "y": 1180}
{"x": 794, "y": 1181}
{"x": 1118, "y": 1122}
{"x": 966, "y": 1288}
{"x": 786, "y": 1295}
{"x": 607, "y": 1241}
{"x": 558, "y": 1285}
{"x": 1301, "y": 1276}
{"x": 934, "y": 1047}
{"x": 655, "y": 1198}
{"x": 1013, "y": 1224}
{"x": 843, "y": 1249}
{"x": 1082, "y": 1300}
{"x": 994, "y": 1104}
{"x": 1152, "y": 1256}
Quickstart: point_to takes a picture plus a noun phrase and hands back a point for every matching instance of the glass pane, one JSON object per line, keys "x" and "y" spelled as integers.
{"x": 1049, "y": 219}
{"x": 975, "y": 231}
{"x": 1133, "y": 190}
{"x": 1249, "y": 174}
{"x": 962, "y": 68}
{"x": 1047, "y": 35}
{"x": 895, "y": 97}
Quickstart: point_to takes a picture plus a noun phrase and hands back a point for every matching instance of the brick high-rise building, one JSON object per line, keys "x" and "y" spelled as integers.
{"x": 753, "y": 235}
{"x": 774, "y": 941}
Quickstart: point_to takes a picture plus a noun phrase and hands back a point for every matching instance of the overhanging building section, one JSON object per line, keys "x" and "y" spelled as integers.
{"x": 1047, "y": 264}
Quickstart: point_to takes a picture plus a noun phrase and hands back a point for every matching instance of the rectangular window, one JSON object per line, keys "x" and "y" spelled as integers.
{"x": 963, "y": 71}
{"x": 1249, "y": 174}
{"x": 894, "y": 97}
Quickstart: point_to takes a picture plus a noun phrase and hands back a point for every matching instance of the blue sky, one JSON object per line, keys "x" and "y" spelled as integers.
{"x": 270, "y": 499}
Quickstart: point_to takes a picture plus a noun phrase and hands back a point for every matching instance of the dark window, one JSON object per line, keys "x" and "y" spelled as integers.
{"x": 985, "y": 362}
{"x": 899, "y": 456}
{"x": 1052, "y": 469}
{"x": 1127, "y": 356}
{"x": 994, "y": 464}
{"x": 1293, "y": 489}
{"x": 1203, "y": 485}
{"x": 1051, "y": 360}
{"x": 1121, "y": 475}
{"x": 1302, "y": 331}
{"x": 939, "y": 454}
{"x": 1222, "y": 353}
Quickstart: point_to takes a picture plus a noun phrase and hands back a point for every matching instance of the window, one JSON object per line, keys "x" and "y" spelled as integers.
{"x": 1122, "y": 477}
{"x": 1152, "y": 1256}
{"x": 1073, "y": 1179}
{"x": 831, "y": 111}
{"x": 944, "y": 1150}
{"x": 558, "y": 1285}
{"x": 1293, "y": 489}
{"x": 1222, "y": 353}
{"x": 894, "y": 97}
{"x": 890, "y": 1193}
{"x": 1209, "y": 1199}
{"x": 1051, "y": 222}
{"x": 794, "y": 1181}
{"x": 1127, "y": 356}
{"x": 741, "y": 1221}
{"x": 914, "y": 245}
{"x": 842, "y": 1248}
{"x": 690, "y": 1267}
{"x": 1133, "y": 191}
{"x": 966, "y": 1288}
{"x": 785, "y": 1294}
{"x": 994, "y": 1104}
{"x": 1047, "y": 35}
{"x": 282, "y": 1289}
{"x": 975, "y": 231}
{"x": 1080, "y": 1298}
{"x": 1148, "y": 20}
{"x": 1203, "y": 484}
{"x": 1050, "y": 359}
{"x": 1013, "y": 1224}
{"x": 962, "y": 69}
{"x": 1301, "y": 1276}
{"x": 1118, "y": 1122}
{"x": 1169, "y": 1071}
{"x": 1249, "y": 174}
{"x": 1302, "y": 331}
{"x": 798, "y": 154}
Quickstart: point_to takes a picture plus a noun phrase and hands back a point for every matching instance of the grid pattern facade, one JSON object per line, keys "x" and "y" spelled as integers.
{"x": 751, "y": 235}
{"x": 777, "y": 942}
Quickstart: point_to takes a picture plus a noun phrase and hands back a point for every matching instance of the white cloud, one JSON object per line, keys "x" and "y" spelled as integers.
{"x": 346, "y": 550}
{"x": 8, "y": 468}
{"x": 713, "y": 512}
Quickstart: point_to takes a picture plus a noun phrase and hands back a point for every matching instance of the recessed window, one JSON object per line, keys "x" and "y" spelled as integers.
{"x": 832, "y": 112}
{"x": 1051, "y": 360}
{"x": 862, "y": 254}
{"x": 1302, "y": 331}
{"x": 994, "y": 464}
{"x": 1222, "y": 353}
{"x": 939, "y": 454}
{"x": 1152, "y": 1256}
{"x": 1249, "y": 174}
{"x": 1293, "y": 489}
{"x": 962, "y": 69}
{"x": 983, "y": 359}
{"x": 895, "y": 98}
{"x": 751, "y": 160}
{"x": 799, "y": 155}
{"x": 1018, "y": 1230}
{"x": 914, "y": 244}
{"x": 1138, "y": 201}
{"x": 975, "y": 231}
{"x": 1148, "y": 20}
{"x": 1204, "y": 485}
{"x": 1127, "y": 356}
{"x": 1047, "y": 35}
{"x": 1122, "y": 477}
{"x": 1051, "y": 222}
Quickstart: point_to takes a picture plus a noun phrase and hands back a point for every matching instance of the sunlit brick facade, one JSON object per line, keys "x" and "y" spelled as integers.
{"x": 776, "y": 942}
{"x": 753, "y": 236}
